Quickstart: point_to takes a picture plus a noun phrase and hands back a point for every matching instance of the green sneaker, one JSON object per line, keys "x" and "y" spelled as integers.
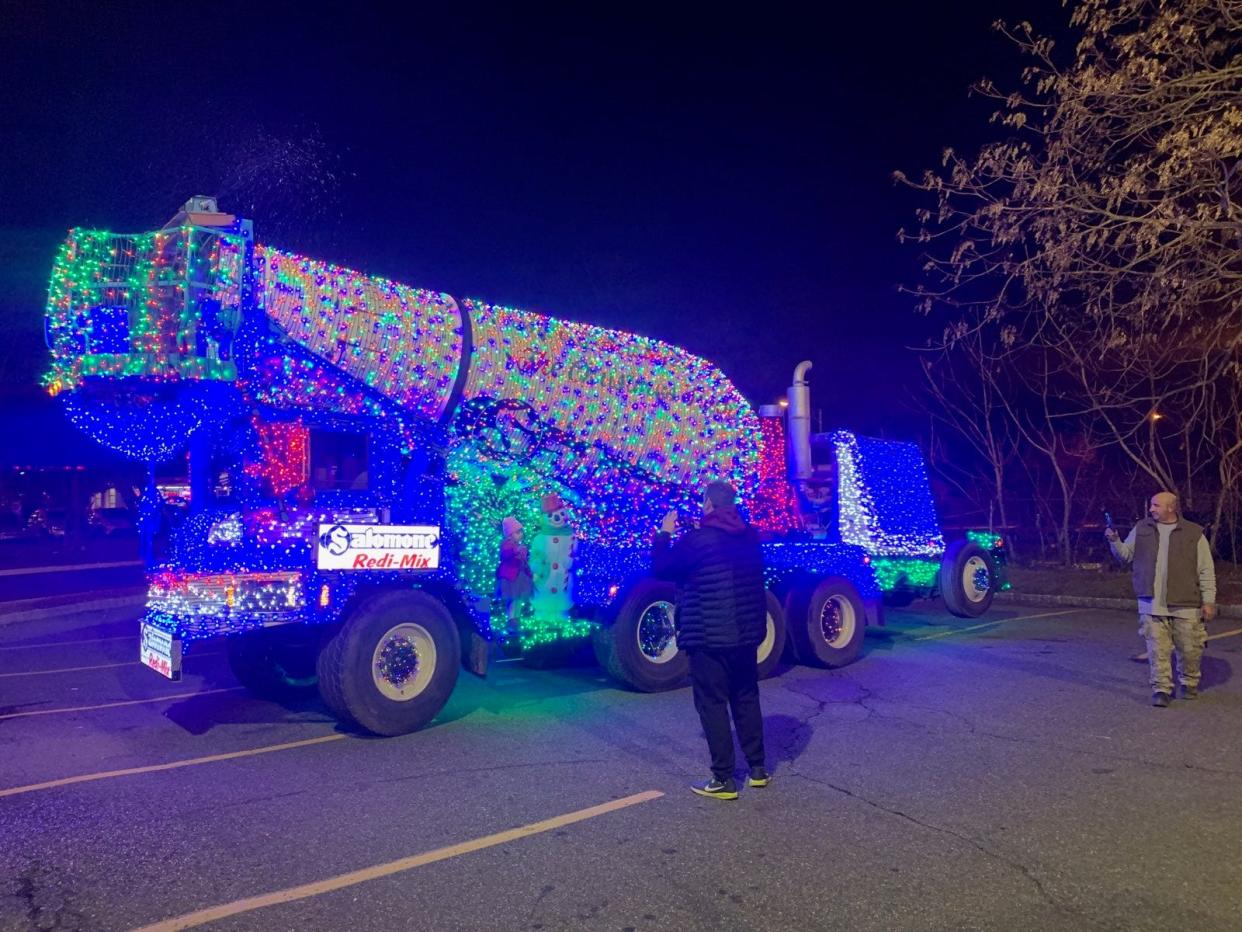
{"x": 716, "y": 789}
{"x": 758, "y": 777}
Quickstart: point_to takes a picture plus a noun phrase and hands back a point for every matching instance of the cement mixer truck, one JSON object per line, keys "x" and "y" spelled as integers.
{"x": 352, "y": 447}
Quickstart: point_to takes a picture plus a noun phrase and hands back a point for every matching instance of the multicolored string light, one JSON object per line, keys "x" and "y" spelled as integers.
{"x": 160, "y": 306}
{"x": 404, "y": 342}
{"x": 510, "y": 404}
{"x": 774, "y": 506}
{"x": 481, "y": 493}
{"x": 644, "y": 402}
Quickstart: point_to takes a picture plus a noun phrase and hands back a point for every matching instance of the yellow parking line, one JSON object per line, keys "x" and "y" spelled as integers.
{"x": 198, "y": 918}
{"x": 989, "y": 624}
{"x": 113, "y": 705}
{"x": 173, "y": 765}
{"x": 102, "y": 666}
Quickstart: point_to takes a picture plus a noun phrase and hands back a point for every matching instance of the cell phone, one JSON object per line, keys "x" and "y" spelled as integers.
{"x": 1108, "y": 520}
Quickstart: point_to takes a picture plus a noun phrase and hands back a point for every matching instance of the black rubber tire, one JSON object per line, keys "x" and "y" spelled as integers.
{"x": 794, "y": 603}
{"x": 276, "y": 663}
{"x": 347, "y": 682}
{"x": 776, "y": 619}
{"x": 616, "y": 644}
{"x": 806, "y": 607}
{"x": 954, "y": 568}
{"x": 331, "y": 669}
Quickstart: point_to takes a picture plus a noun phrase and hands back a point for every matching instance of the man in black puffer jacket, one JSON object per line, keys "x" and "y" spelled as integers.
{"x": 721, "y": 620}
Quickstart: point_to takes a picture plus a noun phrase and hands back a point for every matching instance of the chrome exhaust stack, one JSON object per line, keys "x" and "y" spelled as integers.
{"x": 799, "y": 413}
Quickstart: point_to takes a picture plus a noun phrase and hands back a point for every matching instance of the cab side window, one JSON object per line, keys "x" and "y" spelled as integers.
{"x": 339, "y": 460}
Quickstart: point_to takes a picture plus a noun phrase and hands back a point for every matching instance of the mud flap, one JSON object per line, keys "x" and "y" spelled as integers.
{"x": 874, "y": 610}
{"x": 474, "y": 657}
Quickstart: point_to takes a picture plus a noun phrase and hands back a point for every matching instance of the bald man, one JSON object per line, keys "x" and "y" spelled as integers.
{"x": 1175, "y": 582}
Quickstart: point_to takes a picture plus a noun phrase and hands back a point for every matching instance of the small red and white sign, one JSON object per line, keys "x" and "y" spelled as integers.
{"x": 378, "y": 547}
{"x": 160, "y": 651}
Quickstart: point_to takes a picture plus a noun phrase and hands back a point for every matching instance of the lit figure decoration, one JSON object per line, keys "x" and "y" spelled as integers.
{"x": 552, "y": 554}
{"x": 513, "y": 576}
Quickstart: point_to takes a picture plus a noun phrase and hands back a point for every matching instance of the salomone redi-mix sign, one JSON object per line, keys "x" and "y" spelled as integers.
{"x": 378, "y": 547}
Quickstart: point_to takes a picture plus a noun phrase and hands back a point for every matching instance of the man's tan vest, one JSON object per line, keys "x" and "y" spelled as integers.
{"x": 1183, "y": 578}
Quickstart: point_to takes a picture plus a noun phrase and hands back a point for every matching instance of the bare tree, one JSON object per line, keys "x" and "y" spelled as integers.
{"x": 966, "y": 398}
{"x": 1103, "y": 238}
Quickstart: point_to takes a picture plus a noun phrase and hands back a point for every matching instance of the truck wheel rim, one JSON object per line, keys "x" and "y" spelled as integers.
{"x": 657, "y": 637}
{"x": 769, "y": 640}
{"x": 976, "y": 579}
{"x": 403, "y": 662}
{"x": 837, "y": 621}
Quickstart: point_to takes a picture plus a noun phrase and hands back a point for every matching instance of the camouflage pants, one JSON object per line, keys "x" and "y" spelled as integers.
{"x": 1164, "y": 634}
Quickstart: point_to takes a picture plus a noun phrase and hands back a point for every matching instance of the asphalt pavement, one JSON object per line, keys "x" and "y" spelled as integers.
{"x": 103, "y": 572}
{"x": 998, "y": 774}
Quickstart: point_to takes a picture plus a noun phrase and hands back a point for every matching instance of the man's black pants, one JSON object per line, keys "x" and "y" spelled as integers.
{"x": 725, "y": 680}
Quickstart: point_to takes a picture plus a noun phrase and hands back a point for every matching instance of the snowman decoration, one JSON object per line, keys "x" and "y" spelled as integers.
{"x": 551, "y": 556}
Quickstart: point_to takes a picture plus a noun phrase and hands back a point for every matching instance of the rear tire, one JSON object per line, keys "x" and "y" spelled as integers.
{"x": 827, "y": 623}
{"x": 392, "y": 666}
{"x": 769, "y": 651}
{"x": 276, "y": 663}
{"x": 967, "y": 579}
{"x": 639, "y": 648}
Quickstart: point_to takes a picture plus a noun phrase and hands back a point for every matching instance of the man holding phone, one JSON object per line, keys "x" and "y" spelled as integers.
{"x": 721, "y": 618}
{"x": 1175, "y": 582}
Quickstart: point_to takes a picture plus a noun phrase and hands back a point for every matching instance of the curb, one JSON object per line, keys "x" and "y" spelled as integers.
{"x": 1071, "y": 601}
{"x": 73, "y": 604}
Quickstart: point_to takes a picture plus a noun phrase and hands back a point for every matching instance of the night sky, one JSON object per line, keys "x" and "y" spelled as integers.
{"x": 722, "y": 182}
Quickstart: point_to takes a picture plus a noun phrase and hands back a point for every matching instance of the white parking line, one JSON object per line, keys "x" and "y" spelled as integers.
{"x": 40, "y": 570}
{"x": 102, "y": 666}
{"x": 289, "y": 895}
{"x": 990, "y": 624}
{"x": 172, "y": 765}
{"x": 113, "y": 705}
{"x": 118, "y": 637}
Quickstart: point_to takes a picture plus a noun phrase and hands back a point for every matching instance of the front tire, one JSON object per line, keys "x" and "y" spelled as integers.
{"x": 967, "y": 579}
{"x": 392, "y": 666}
{"x": 827, "y": 623}
{"x": 639, "y": 648}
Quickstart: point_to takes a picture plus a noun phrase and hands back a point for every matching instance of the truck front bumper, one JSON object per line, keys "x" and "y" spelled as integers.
{"x": 191, "y": 607}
